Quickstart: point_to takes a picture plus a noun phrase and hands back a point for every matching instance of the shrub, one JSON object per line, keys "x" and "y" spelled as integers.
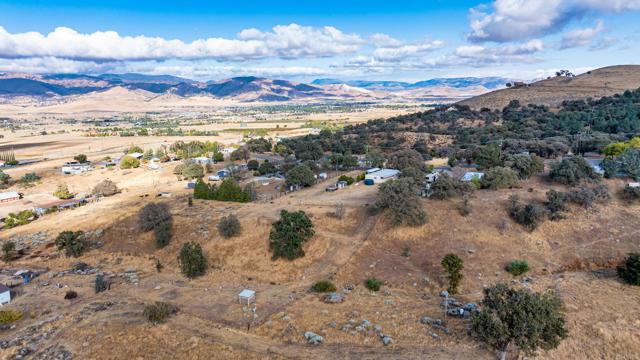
{"x": 133, "y": 149}
{"x": 229, "y": 226}
{"x": 70, "y": 295}
{"x": 289, "y": 233}
{"x": 373, "y": 284}
{"x": 29, "y": 178}
{"x": 518, "y": 267}
{"x": 101, "y": 284}
{"x": 526, "y": 165}
{"x": 520, "y": 317}
{"x": 241, "y": 153}
{"x": 583, "y": 196}
{"x": 529, "y": 216}
{"x": 162, "y": 234}
{"x": 489, "y": 156}
{"x": 229, "y": 190}
{"x": 4, "y": 178}
{"x": 192, "y": 170}
{"x": 21, "y": 218}
{"x": 444, "y": 187}
{"x": 192, "y": 260}
{"x": 81, "y": 158}
{"x": 105, "y": 188}
{"x": 152, "y": 215}
{"x": 158, "y": 312}
{"x": 556, "y": 204}
{"x": 629, "y": 271}
{"x": 129, "y": 162}
{"x": 253, "y": 165}
{"x": 266, "y": 168}
{"x": 62, "y": 192}
{"x": 399, "y": 198}
{"x": 453, "y": 265}
{"x": 300, "y": 175}
{"x": 323, "y": 286}
{"x": 499, "y": 178}
{"x": 465, "y": 207}
{"x": 8, "y": 249}
{"x": 631, "y": 193}
{"x": 73, "y": 243}
{"x": 570, "y": 171}
{"x": 10, "y": 316}
{"x": 348, "y": 179}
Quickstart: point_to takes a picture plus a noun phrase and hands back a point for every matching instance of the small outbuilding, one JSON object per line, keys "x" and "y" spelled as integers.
{"x": 203, "y": 160}
{"x": 380, "y": 176}
{"x": 9, "y": 196}
{"x": 341, "y": 184}
{"x": 5, "y": 294}
{"x": 470, "y": 175}
{"x": 75, "y": 168}
{"x": 247, "y": 296}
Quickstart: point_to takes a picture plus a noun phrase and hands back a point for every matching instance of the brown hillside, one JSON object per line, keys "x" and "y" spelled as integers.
{"x": 597, "y": 83}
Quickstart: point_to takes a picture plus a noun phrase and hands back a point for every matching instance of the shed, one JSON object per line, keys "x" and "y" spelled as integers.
{"x": 634, "y": 185}
{"x": 322, "y": 175}
{"x": 5, "y": 294}
{"x": 247, "y": 296}
{"x": 596, "y": 165}
{"x": 136, "y": 155}
{"x": 203, "y": 160}
{"x": 9, "y": 196}
{"x": 341, "y": 184}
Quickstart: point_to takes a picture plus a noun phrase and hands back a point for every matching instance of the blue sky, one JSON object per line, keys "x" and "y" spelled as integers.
{"x": 302, "y": 40}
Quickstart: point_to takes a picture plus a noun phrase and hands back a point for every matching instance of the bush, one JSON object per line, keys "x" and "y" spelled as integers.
{"x": 105, "y": 188}
{"x": 266, "y": 168}
{"x": 21, "y": 218}
{"x": 556, "y": 204}
{"x": 10, "y": 316}
{"x": 70, "y": 295}
{"x": 444, "y": 187}
{"x": 489, "y": 156}
{"x": 453, "y": 265}
{"x": 323, "y": 286}
{"x": 519, "y": 317}
{"x": 526, "y": 165}
{"x": 253, "y": 165}
{"x": 399, "y": 198}
{"x": 73, "y": 243}
{"x": 129, "y": 162}
{"x": 241, "y": 153}
{"x": 300, "y": 175}
{"x": 101, "y": 284}
{"x": 289, "y": 234}
{"x": 4, "y": 178}
{"x": 81, "y": 158}
{"x": 373, "y": 284}
{"x": 629, "y": 271}
{"x": 348, "y": 179}
{"x": 153, "y": 215}
{"x": 192, "y": 170}
{"x": 465, "y": 207}
{"x": 133, "y": 149}
{"x": 570, "y": 171}
{"x": 192, "y": 260}
{"x": 499, "y": 178}
{"x": 29, "y": 178}
{"x": 530, "y": 216}
{"x": 631, "y": 193}
{"x": 229, "y": 226}
{"x": 406, "y": 158}
{"x": 583, "y": 196}
{"x": 62, "y": 192}
{"x": 162, "y": 234}
{"x": 8, "y": 248}
{"x": 518, "y": 267}
{"x": 158, "y": 312}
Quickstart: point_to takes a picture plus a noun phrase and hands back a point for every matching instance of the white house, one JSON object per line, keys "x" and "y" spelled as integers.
{"x": 5, "y": 295}
{"x": 75, "y": 167}
{"x": 380, "y": 176}
{"x": 470, "y": 175}
{"x": 9, "y": 196}
{"x": 203, "y": 160}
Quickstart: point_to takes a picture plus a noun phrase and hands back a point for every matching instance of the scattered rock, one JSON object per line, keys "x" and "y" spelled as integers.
{"x": 313, "y": 338}
{"x": 386, "y": 340}
{"x": 333, "y": 298}
{"x": 444, "y": 293}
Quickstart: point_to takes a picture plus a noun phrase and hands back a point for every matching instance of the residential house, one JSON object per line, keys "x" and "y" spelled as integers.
{"x": 9, "y": 196}
{"x": 75, "y": 168}
{"x": 380, "y": 175}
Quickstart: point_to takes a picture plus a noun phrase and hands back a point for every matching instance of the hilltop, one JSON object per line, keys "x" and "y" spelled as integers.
{"x": 601, "y": 82}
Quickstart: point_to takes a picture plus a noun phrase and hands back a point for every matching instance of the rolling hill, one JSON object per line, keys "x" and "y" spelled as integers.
{"x": 601, "y": 82}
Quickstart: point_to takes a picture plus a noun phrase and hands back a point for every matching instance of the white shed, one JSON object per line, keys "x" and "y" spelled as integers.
{"x": 5, "y": 295}
{"x": 381, "y": 175}
{"x": 246, "y": 296}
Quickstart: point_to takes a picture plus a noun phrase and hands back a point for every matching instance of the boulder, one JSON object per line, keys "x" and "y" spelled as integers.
{"x": 313, "y": 338}
{"x": 333, "y": 298}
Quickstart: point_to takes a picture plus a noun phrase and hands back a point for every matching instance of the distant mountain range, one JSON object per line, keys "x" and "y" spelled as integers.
{"x": 247, "y": 88}
{"x": 465, "y": 82}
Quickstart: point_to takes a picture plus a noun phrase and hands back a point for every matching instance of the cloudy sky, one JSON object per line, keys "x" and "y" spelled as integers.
{"x": 303, "y": 40}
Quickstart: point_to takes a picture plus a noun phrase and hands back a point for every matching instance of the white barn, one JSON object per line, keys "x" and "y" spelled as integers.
{"x": 381, "y": 175}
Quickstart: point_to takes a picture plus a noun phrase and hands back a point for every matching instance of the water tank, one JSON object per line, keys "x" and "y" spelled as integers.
{"x": 368, "y": 181}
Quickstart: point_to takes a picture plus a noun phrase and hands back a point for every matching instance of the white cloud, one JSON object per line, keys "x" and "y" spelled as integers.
{"x": 477, "y": 54}
{"x": 384, "y": 40}
{"x": 509, "y": 20}
{"x": 283, "y": 41}
{"x": 581, "y": 37}
{"x": 403, "y": 51}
